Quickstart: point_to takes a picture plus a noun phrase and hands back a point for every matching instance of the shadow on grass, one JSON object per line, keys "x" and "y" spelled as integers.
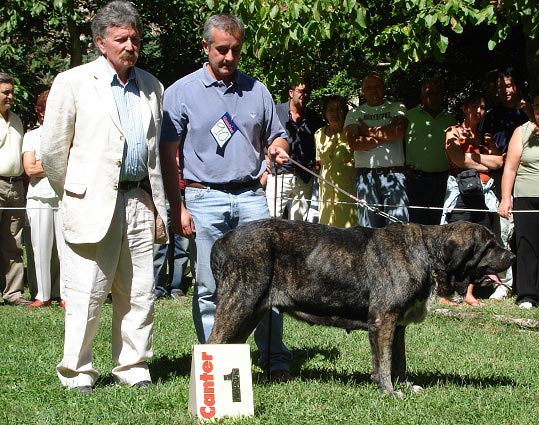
{"x": 431, "y": 379}
{"x": 165, "y": 368}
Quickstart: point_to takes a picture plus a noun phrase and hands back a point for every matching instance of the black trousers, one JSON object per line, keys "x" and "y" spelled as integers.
{"x": 425, "y": 190}
{"x": 476, "y": 202}
{"x": 527, "y": 242}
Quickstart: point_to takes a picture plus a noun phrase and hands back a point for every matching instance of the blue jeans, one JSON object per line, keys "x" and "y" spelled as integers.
{"x": 176, "y": 257}
{"x": 215, "y": 213}
{"x": 387, "y": 190}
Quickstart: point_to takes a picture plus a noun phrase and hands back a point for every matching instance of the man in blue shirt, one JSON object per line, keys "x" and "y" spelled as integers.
{"x": 222, "y": 120}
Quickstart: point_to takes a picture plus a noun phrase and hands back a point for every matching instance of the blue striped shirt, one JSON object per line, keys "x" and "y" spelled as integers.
{"x": 135, "y": 155}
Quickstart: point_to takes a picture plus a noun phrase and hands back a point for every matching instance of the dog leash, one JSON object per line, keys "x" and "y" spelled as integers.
{"x": 358, "y": 201}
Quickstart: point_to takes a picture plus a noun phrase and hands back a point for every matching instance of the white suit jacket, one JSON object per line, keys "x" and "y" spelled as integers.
{"x": 82, "y": 145}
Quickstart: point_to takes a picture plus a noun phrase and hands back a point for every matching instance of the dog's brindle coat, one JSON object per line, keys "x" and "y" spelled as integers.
{"x": 359, "y": 278}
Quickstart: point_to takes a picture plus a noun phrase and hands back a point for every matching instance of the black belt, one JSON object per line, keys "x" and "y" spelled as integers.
{"x": 381, "y": 170}
{"x": 128, "y": 185}
{"x": 419, "y": 173}
{"x": 223, "y": 187}
{"x": 11, "y": 179}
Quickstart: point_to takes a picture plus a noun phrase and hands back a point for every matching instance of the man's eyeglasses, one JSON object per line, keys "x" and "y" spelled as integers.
{"x": 303, "y": 92}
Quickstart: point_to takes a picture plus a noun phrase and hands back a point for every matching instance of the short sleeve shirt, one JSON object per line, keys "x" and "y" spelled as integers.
{"x": 425, "y": 140}
{"x": 38, "y": 187}
{"x": 387, "y": 154}
{"x": 198, "y": 111}
{"x": 500, "y": 122}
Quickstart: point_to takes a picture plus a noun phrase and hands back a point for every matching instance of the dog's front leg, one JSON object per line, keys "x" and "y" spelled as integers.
{"x": 381, "y": 334}
{"x": 398, "y": 357}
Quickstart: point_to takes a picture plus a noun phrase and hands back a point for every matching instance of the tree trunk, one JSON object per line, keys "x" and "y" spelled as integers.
{"x": 74, "y": 36}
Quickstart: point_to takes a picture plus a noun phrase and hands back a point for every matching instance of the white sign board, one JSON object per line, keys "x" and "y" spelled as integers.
{"x": 221, "y": 382}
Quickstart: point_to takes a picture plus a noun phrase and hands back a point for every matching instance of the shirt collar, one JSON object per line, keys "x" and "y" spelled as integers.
{"x": 208, "y": 80}
{"x": 113, "y": 75}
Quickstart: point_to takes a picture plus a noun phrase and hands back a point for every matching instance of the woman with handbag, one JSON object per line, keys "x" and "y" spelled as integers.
{"x": 469, "y": 186}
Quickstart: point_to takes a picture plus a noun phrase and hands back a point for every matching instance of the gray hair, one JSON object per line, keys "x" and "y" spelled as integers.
{"x": 115, "y": 14}
{"x": 225, "y": 22}
{"x": 6, "y": 78}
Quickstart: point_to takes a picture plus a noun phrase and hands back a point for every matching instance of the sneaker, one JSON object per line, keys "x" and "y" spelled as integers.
{"x": 525, "y": 305}
{"x": 500, "y": 293}
{"x": 179, "y": 296}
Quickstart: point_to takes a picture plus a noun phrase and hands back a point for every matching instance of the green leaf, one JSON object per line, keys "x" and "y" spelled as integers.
{"x": 361, "y": 17}
{"x": 442, "y": 43}
{"x": 210, "y": 4}
{"x": 274, "y": 12}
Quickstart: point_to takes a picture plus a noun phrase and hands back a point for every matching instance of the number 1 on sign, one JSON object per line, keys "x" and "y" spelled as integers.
{"x": 234, "y": 378}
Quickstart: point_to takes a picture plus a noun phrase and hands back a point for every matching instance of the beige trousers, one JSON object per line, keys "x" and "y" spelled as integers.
{"x": 292, "y": 189}
{"x": 11, "y": 226}
{"x": 122, "y": 263}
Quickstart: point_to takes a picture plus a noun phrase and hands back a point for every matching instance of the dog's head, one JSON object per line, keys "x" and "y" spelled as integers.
{"x": 470, "y": 251}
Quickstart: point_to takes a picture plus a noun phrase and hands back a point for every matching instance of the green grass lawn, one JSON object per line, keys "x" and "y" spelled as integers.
{"x": 475, "y": 370}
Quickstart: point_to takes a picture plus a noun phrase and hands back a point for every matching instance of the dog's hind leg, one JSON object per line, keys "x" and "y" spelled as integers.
{"x": 381, "y": 334}
{"x": 232, "y": 324}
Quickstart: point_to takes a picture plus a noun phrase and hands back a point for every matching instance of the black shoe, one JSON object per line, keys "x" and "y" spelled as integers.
{"x": 84, "y": 389}
{"x": 281, "y": 376}
{"x": 143, "y": 385}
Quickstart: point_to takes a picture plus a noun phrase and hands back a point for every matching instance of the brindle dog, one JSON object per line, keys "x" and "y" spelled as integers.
{"x": 379, "y": 280}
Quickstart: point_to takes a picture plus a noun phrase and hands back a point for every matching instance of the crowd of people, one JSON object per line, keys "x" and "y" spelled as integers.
{"x": 130, "y": 181}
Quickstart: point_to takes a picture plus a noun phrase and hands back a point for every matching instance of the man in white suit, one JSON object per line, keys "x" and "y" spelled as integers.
{"x": 100, "y": 153}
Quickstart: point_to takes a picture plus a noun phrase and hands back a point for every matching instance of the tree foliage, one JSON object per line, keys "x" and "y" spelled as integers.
{"x": 333, "y": 41}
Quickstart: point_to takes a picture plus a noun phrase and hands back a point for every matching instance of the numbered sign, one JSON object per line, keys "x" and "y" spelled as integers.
{"x": 221, "y": 382}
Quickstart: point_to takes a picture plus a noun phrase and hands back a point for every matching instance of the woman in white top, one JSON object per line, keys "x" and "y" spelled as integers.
{"x": 42, "y": 209}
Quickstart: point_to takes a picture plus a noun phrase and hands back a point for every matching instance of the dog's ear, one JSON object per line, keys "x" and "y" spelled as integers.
{"x": 463, "y": 251}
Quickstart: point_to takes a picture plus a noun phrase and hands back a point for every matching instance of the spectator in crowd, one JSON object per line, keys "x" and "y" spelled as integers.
{"x": 223, "y": 120}
{"x": 11, "y": 197}
{"x": 467, "y": 149}
{"x": 499, "y": 124}
{"x": 294, "y": 185}
{"x": 170, "y": 261}
{"x": 42, "y": 210}
{"x": 426, "y": 161}
{"x": 521, "y": 180}
{"x": 336, "y": 165}
{"x": 374, "y": 132}
{"x": 99, "y": 149}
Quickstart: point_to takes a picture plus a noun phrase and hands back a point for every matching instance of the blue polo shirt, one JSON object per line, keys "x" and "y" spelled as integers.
{"x": 222, "y": 130}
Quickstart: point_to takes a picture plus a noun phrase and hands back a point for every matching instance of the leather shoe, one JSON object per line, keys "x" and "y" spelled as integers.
{"x": 280, "y": 376}
{"x": 143, "y": 385}
{"x": 84, "y": 389}
{"x": 38, "y": 303}
{"x": 18, "y": 302}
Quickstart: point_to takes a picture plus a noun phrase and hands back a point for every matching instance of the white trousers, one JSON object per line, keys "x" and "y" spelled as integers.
{"x": 122, "y": 263}
{"x": 45, "y": 225}
{"x": 290, "y": 189}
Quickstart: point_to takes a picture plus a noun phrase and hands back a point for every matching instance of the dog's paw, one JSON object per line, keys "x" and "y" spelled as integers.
{"x": 415, "y": 389}
{"x": 399, "y": 395}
